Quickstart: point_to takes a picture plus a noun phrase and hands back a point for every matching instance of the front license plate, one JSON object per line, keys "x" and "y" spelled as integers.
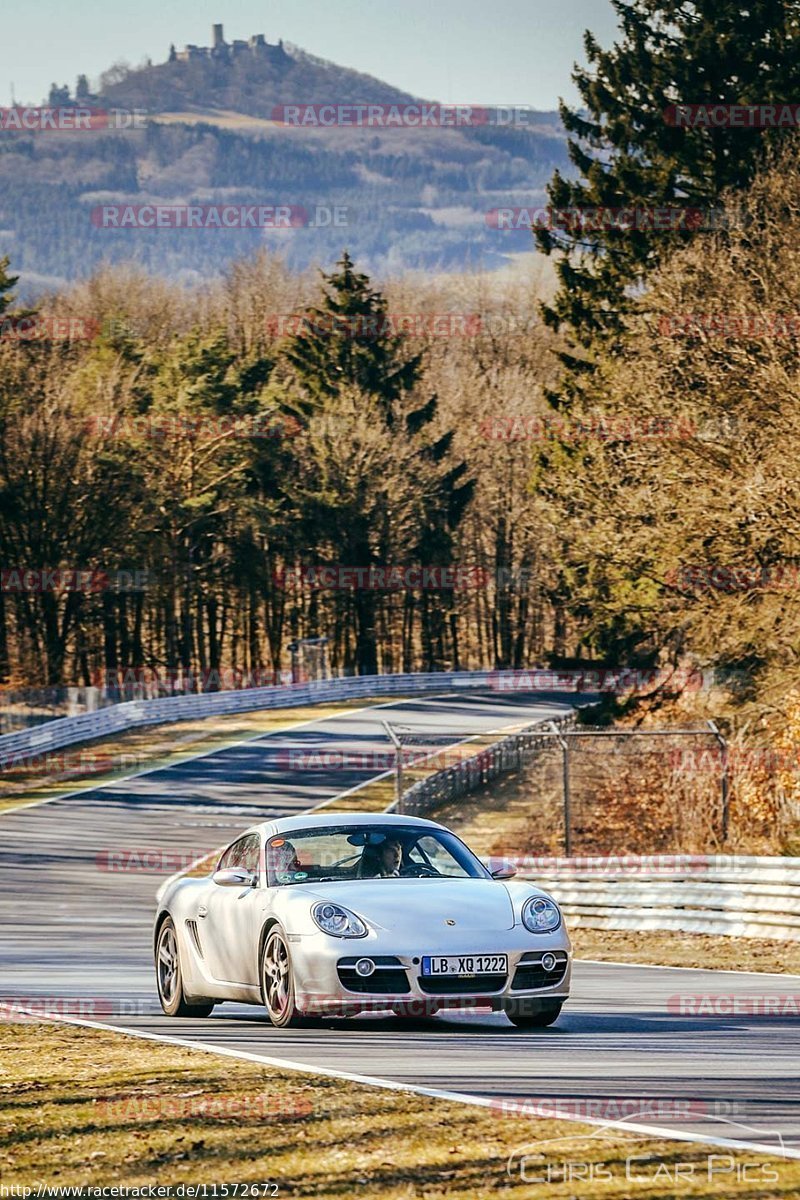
{"x": 465, "y": 964}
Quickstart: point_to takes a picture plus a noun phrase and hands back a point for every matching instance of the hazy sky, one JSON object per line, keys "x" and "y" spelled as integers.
{"x": 458, "y": 51}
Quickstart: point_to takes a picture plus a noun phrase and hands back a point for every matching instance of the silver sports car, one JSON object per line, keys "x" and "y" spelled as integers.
{"x": 336, "y": 914}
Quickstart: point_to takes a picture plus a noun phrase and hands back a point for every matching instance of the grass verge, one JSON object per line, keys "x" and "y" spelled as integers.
{"x": 95, "y": 1108}
{"x": 670, "y": 949}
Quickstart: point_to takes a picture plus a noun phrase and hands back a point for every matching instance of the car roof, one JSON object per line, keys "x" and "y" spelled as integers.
{"x": 323, "y": 820}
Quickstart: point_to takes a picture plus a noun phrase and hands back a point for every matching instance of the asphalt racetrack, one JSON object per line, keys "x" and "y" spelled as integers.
{"x": 77, "y": 908}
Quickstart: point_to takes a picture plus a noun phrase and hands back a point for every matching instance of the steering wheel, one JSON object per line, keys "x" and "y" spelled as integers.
{"x": 347, "y": 860}
{"x": 419, "y": 871}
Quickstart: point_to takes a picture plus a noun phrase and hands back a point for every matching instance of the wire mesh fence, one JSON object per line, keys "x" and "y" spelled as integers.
{"x": 632, "y": 787}
{"x": 563, "y": 788}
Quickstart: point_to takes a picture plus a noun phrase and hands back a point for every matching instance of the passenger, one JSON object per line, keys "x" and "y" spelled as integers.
{"x": 284, "y": 861}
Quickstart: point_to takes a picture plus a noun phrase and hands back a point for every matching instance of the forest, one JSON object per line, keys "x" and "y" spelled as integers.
{"x": 594, "y": 464}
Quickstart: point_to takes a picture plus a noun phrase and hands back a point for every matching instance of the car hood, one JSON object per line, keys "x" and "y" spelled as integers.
{"x": 400, "y": 903}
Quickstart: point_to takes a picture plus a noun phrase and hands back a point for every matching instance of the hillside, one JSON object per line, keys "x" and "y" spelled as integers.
{"x": 406, "y": 198}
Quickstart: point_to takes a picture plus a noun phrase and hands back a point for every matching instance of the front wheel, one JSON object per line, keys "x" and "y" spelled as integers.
{"x": 277, "y": 982}
{"x": 169, "y": 978}
{"x": 533, "y": 1014}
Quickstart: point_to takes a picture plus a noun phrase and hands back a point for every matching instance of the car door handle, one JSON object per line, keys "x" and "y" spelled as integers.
{"x": 202, "y": 911}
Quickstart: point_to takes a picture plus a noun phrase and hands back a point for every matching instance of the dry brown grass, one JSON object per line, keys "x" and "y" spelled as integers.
{"x": 673, "y": 949}
{"x": 95, "y": 1108}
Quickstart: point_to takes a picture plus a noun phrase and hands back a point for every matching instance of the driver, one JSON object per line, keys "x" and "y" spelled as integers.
{"x": 383, "y": 861}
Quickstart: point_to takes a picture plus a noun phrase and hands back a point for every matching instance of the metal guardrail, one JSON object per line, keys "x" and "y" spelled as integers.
{"x": 739, "y": 895}
{"x": 508, "y": 754}
{"x": 67, "y": 731}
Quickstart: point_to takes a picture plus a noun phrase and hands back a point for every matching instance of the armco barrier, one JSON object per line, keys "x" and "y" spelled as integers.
{"x": 508, "y": 754}
{"x": 742, "y": 895}
{"x": 68, "y": 731}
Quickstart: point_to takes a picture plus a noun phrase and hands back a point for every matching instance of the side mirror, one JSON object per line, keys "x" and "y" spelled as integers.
{"x": 504, "y": 873}
{"x": 235, "y": 877}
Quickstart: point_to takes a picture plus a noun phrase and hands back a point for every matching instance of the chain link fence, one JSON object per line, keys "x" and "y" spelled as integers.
{"x": 564, "y": 788}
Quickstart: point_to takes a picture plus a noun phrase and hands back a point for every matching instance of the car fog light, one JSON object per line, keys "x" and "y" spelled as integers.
{"x": 549, "y": 962}
{"x": 365, "y": 966}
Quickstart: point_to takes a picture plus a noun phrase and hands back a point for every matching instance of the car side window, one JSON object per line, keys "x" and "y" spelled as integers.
{"x": 233, "y": 856}
{"x": 437, "y": 855}
{"x": 251, "y": 853}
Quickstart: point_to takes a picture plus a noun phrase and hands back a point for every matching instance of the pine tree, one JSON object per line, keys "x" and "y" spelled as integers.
{"x": 7, "y": 282}
{"x": 630, "y": 151}
{"x": 347, "y": 341}
{"x": 348, "y": 348}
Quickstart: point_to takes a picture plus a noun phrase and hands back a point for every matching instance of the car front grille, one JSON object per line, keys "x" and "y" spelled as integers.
{"x": 531, "y": 974}
{"x": 388, "y": 979}
{"x": 461, "y": 985}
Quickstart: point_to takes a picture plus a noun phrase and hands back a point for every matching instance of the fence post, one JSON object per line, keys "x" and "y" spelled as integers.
{"x": 723, "y": 745}
{"x": 564, "y": 744}
{"x": 398, "y": 758}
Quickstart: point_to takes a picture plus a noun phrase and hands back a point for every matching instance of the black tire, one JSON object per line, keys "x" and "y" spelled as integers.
{"x": 277, "y": 982}
{"x": 533, "y": 1014}
{"x": 169, "y": 980}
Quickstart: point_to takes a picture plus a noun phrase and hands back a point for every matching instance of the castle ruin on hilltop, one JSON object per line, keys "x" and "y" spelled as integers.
{"x": 221, "y": 51}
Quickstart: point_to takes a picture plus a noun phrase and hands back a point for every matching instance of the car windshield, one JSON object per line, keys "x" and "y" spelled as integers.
{"x": 368, "y": 852}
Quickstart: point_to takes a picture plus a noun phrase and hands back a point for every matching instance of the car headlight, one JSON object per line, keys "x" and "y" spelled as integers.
{"x": 338, "y": 921}
{"x": 540, "y": 915}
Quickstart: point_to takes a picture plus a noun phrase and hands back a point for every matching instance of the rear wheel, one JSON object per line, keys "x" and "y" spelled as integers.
{"x": 169, "y": 978}
{"x": 277, "y": 982}
{"x": 533, "y": 1014}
